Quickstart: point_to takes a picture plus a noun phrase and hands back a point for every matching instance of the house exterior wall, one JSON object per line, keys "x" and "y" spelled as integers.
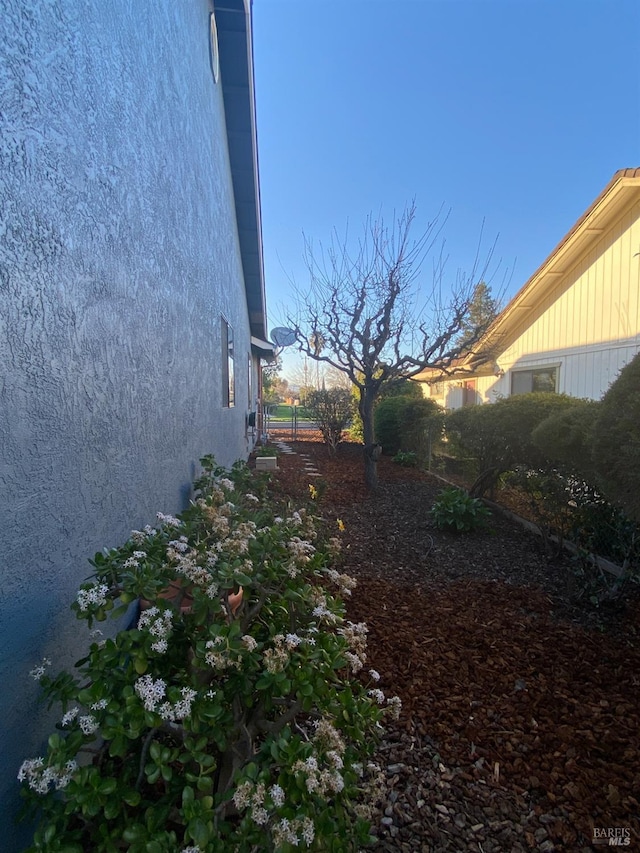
{"x": 118, "y": 256}
{"x": 587, "y": 325}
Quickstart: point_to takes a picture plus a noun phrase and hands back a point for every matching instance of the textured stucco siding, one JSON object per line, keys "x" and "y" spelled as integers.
{"x": 118, "y": 255}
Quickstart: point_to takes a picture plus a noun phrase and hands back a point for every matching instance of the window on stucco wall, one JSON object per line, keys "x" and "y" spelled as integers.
{"x": 228, "y": 379}
{"x": 213, "y": 46}
{"x": 535, "y": 379}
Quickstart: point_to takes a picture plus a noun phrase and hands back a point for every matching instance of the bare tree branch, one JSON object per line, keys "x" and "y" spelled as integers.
{"x": 367, "y": 313}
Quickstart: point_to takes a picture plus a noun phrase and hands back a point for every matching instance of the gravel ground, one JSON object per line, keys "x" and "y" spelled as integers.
{"x": 520, "y": 724}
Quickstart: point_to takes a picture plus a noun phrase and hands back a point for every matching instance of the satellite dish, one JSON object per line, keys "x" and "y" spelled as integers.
{"x": 283, "y": 337}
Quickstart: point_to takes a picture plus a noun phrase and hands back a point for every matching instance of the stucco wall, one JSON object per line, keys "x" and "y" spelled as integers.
{"x": 118, "y": 254}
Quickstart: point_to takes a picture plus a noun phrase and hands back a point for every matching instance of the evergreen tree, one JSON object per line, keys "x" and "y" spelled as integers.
{"x": 483, "y": 309}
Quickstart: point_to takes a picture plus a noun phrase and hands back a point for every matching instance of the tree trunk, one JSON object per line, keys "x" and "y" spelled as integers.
{"x": 370, "y": 464}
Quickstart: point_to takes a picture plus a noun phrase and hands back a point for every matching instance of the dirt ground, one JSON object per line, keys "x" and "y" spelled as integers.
{"x": 520, "y": 724}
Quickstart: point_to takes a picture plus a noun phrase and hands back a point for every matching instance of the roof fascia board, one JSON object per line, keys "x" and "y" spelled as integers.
{"x": 234, "y": 17}
{"x": 619, "y": 195}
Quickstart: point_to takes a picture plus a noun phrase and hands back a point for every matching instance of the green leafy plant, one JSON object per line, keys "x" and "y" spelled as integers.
{"x": 267, "y": 450}
{"x": 407, "y": 458}
{"x": 228, "y": 715}
{"x": 455, "y": 510}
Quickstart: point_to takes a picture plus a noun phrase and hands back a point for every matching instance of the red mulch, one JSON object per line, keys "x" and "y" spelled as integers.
{"x": 520, "y": 724}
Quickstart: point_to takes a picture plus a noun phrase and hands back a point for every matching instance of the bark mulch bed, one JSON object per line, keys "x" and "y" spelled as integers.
{"x": 520, "y": 723}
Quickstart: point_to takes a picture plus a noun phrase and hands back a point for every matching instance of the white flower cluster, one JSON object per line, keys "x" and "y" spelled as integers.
{"x": 345, "y": 583}
{"x": 252, "y": 498}
{"x": 220, "y": 656}
{"x": 237, "y": 543}
{"x": 249, "y": 796}
{"x": 376, "y": 695}
{"x": 70, "y": 716}
{"x": 321, "y": 612}
{"x": 180, "y": 545}
{"x": 185, "y": 563}
{"x": 321, "y": 781}
{"x": 95, "y": 595}
{"x": 134, "y": 560}
{"x": 276, "y": 659}
{"x": 218, "y": 522}
{"x": 140, "y": 537}
{"x": 304, "y": 522}
{"x": 249, "y": 642}
{"x": 334, "y": 546}
{"x": 159, "y": 623}
{"x": 153, "y": 692}
{"x": 328, "y": 737}
{"x": 246, "y": 568}
{"x": 38, "y": 671}
{"x": 262, "y": 803}
{"x": 394, "y": 707}
{"x": 356, "y": 637}
{"x": 87, "y": 722}
{"x": 168, "y": 520}
{"x": 372, "y": 792}
{"x": 286, "y": 832}
{"x": 330, "y": 747}
{"x": 40, "y": 778}
{"x": 301, "y": 549}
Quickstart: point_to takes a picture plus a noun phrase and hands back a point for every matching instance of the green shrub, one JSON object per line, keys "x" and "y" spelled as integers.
{"x": 332, "y": 410}
{"x": 455, "y": 510}
{"x": 401, "y": 388}
{"x": 227, "y": 716}
{"x": 566, "y": 438}
{"x": 598, "y": 527}
{"x": 407, "y": 458}
{"x": 409, "y": 423}
{"x": 499, "y": 435}
{"x": 616, "y": 440}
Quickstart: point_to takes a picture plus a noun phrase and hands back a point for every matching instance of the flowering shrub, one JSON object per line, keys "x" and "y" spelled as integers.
{"x": 227, "y": 717}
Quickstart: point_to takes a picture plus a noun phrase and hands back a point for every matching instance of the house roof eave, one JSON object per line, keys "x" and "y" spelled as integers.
{"x": 622, "y": 191}
{"x": 235, "y": 46}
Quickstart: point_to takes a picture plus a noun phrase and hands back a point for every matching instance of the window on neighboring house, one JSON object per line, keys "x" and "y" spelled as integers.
{"x": 536, "y": 379}
{"x": 436, "y": 389}
{"x": 228, "y": 379}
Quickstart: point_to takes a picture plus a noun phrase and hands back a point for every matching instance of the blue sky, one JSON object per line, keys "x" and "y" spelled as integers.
{"x": 512, "y": 112}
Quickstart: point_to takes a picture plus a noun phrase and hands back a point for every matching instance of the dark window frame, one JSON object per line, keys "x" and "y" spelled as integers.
{"x": 228, "y": 366}
{"x": 535, "y": 373}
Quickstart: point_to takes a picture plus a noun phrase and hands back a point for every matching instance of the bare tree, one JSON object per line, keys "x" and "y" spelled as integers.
{"x": 365, "y": 314}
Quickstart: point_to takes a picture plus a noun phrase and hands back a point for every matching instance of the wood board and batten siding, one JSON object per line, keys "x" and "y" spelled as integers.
{"x": 576, "y": 322}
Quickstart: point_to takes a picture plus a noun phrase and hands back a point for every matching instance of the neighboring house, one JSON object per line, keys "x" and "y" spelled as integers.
{"x": 574, "y": 324}
{"x": 132, "y": 308}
